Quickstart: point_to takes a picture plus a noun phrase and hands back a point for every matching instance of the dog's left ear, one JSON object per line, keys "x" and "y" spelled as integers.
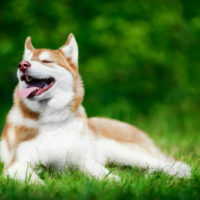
{"x": 28, "y": 49}
{"x": 70, "y": 49}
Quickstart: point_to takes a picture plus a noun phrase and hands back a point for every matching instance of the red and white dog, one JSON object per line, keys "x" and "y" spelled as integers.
{"x": 48, "y": 125}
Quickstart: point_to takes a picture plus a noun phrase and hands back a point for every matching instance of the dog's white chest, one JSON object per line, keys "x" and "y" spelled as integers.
{"x": 58, "y": 145}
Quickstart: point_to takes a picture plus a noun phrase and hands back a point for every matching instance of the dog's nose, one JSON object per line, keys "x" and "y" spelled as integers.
{"x": 24, "y": 65}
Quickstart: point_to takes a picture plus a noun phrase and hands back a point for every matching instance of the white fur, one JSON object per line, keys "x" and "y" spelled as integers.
{"x": 45, "y": 56}
{"x": 71, "y": 50}
{"x": 134, "y": 155}
{"x": 15, "y": 117}
{"x": 11, "y": 136}
{"x": 22, "y": 171}
{"x": 27, "y": 54}
{"x": 5, "y": 154}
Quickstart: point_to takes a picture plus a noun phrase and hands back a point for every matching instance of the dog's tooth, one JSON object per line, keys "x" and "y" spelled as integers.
{"x": 26, "y": 77}
{"x": 46, "y": 85}
{"x": 29, "y": 79}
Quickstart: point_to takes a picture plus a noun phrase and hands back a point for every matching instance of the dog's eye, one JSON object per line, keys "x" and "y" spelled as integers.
{"x": 47, "y": 61}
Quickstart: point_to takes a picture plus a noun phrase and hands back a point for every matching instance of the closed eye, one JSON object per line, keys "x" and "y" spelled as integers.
{"x": 47, "y": 61}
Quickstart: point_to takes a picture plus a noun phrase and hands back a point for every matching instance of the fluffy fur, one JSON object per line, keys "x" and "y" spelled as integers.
{"x": 53, "y": 129}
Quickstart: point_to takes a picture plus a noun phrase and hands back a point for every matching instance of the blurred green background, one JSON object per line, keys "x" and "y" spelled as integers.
{"x": 137, "y": 58}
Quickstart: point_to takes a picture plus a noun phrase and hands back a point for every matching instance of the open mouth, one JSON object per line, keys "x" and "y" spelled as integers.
{"x": 35, "y": 86}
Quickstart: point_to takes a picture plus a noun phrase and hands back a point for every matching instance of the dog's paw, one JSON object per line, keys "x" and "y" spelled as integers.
{"x": 34, "y": 179}
{"x": 36, "y": 182}
{"x": 180, "y": 169}
{"x": 113, "y": 177}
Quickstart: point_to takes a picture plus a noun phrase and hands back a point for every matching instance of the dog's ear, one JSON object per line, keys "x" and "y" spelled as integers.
{"x": 70, "y": 49}
{"x": 28, "y": 49}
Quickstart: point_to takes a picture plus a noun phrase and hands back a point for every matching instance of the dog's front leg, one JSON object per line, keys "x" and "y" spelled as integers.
{"x": 21, "y": 171}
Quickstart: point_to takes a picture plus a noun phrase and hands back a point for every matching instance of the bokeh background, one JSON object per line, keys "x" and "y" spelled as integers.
{"x": 139, "y": 59}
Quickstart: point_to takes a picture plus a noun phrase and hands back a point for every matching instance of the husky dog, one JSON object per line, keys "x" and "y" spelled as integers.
{"x": 48, "y": 125}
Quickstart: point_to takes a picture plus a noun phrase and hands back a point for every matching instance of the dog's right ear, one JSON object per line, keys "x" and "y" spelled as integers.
{"x": 70, "y": 49}
{"x": 28, "y": 49}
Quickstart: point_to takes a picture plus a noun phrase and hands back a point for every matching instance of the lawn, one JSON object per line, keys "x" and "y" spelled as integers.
{"x": 176, "y": 135}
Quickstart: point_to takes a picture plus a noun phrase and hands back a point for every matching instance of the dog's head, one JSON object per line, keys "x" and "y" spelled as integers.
{"x": 51, "y": 76}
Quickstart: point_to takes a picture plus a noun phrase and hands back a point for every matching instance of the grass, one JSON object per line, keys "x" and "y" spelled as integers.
{"x": 178, "y": 135}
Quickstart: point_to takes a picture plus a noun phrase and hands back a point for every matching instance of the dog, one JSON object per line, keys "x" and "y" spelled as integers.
{"x": 48, "y": 125}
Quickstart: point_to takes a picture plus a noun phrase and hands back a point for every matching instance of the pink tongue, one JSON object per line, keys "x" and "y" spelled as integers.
{"x": 24, "y": 93}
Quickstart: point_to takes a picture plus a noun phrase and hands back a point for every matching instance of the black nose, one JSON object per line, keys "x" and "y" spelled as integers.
{"x": 24, "y": 65}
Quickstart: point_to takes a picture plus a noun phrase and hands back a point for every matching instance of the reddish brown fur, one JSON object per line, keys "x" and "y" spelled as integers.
{"x": 27, "y": 113}
{"x": 78, "y": 94}
{"x": 5, "y": 134}
{"x": 122, "y": 132}
{"x": 23, "y": 134}
{"x": 5, "y": 130}
{"x": 5, "y": 137}
{"x": 113, "y": 129}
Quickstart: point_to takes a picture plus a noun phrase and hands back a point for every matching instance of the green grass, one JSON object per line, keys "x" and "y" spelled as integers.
{"x": 177, "y": 135}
